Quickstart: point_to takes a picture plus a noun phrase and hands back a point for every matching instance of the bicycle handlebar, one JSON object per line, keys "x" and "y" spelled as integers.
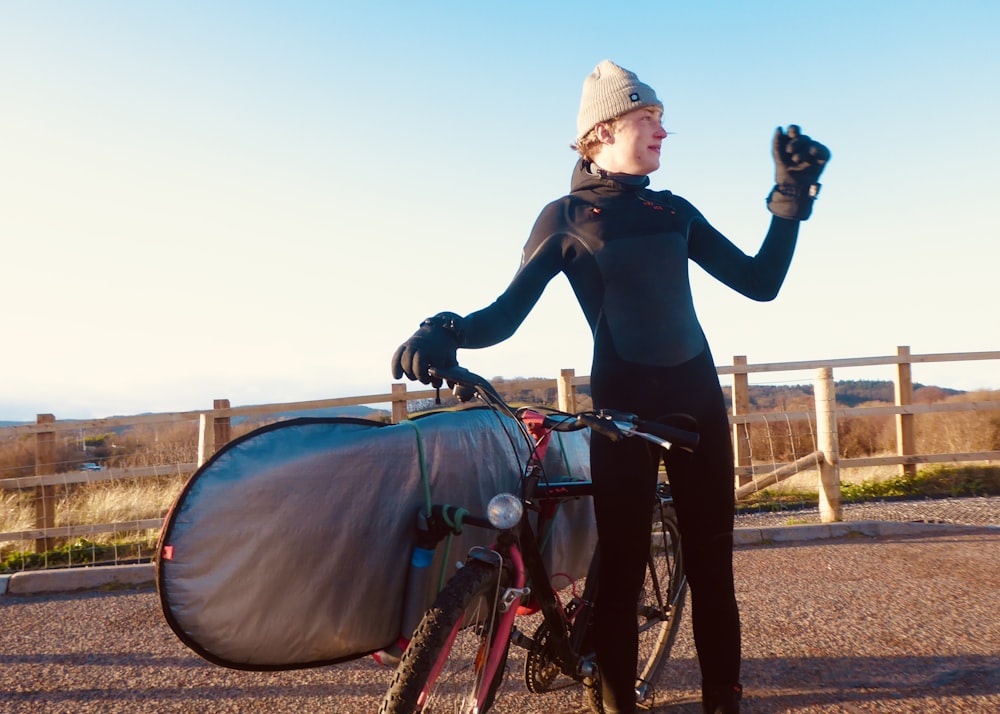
{"x": 610, "y": 423}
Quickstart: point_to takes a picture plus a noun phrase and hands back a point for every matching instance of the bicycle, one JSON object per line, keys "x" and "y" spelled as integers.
{"x": 456, "y": 659}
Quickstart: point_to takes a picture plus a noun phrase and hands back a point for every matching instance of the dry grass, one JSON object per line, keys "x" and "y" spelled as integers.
{"x": 18, "y": 511}
{"x": 805, "y": 481}
{"x": 883, "y": 482}
{"x": 121, "y": 502}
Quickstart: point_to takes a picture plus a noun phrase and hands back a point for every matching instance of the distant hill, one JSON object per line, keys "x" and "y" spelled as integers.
{"x": 359, "y": 411}
{"x": 850, "y": 393}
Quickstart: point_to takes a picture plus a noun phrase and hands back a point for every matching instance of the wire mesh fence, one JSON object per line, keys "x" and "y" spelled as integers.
{"x": 89, "y": 494}
{"x": 83, "y": 493}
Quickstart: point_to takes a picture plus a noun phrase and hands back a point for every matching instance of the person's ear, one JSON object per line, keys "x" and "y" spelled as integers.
{"x": 604, "y": 133}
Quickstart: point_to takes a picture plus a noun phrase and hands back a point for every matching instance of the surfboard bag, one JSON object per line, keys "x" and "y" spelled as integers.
{"x": 290, "y": 547}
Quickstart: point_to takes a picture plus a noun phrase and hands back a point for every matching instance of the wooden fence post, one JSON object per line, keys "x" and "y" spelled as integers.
{"x": 213, "y": 431}
{"x": 905, "y": 432}
{"x": 45, "y": 496}
{"x": 826, "y": 434}
{"x": 741, "y": 405}
{"x": 223, "y": 426}
{"x": 566, "y": 389}
{"x": 398, "y": 402}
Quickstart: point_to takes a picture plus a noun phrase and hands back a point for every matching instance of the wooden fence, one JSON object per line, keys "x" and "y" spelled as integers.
{"x": 215, "y": 430}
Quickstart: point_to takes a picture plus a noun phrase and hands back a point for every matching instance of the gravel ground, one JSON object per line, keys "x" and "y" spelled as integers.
{"x": 902, "y": 624}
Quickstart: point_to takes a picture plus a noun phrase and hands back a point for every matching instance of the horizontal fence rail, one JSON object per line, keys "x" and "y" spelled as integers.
{"x": 214, "y": 429}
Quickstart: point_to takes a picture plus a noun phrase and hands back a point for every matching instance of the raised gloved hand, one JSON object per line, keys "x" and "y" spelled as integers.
{"x": 434, "y": 344}
{"x": 798, "y": 162}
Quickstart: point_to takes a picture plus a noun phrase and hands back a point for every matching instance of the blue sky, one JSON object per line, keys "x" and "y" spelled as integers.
{"x": 260, "y": 201}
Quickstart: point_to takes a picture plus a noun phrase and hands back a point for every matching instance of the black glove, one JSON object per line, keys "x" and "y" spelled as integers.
{"x": 434, "y": 344}
{"x": 798, "y": 162}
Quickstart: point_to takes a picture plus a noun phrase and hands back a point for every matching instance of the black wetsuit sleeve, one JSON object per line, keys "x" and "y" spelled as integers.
{"x": 541, "y": 260}
{"x": 758, "y": 277}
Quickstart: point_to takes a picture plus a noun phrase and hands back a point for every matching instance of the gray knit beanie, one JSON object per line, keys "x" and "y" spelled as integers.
{"x": 608, "y": 92}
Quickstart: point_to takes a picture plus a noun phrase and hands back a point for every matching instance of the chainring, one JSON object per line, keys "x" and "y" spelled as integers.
{"x": 540, "y": 670}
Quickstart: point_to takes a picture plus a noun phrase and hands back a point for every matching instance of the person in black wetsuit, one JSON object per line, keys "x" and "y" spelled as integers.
{"x": 625, "y": 250}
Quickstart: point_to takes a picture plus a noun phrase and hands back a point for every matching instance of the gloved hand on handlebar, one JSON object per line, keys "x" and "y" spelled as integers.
{"x": 434, "y": 344}
{"x": 798, "y": 162}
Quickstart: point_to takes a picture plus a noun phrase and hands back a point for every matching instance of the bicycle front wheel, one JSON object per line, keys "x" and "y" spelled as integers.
{"x": 442, "y": 669}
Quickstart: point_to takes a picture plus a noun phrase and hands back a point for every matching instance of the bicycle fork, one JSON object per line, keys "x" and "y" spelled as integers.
{"x": 506, "y": 603}
{"x": 493, "y": 650}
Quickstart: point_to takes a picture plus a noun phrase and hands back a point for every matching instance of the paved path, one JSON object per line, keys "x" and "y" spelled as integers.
{"x": 893, "y": 623}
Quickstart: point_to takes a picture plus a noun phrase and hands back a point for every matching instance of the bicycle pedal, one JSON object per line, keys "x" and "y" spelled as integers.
{"x": 522, "y": 640}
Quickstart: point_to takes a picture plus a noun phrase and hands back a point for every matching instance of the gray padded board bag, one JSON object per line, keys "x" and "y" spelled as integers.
{"x": 289, "y": 548}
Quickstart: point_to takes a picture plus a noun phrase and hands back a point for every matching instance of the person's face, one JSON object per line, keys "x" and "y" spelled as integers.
{"x": 634, "y": 146}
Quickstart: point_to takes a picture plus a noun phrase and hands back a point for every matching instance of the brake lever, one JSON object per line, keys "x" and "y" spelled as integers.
{"x": 603, "y": 425}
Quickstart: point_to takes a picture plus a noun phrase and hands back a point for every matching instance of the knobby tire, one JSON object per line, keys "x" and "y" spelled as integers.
{"x": 469, "y": 600}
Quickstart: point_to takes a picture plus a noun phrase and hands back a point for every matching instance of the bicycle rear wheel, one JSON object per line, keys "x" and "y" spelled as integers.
{"x": 660, "y": 605}
{"x": 662, "y": 600}
{"x": 442, "y": 669}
